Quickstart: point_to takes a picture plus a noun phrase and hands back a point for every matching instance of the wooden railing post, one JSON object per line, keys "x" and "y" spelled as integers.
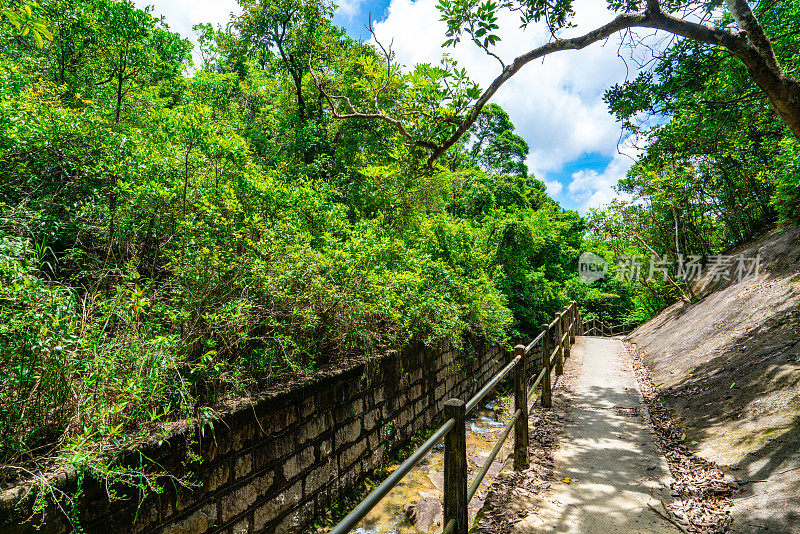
{"x": 521, "y": 459}
{"x": 547, "y": 399}
{"x": 573, "y": 319}
{"x": 560, "y": 345}
{"x": 566, "y": 321}
{"x": 455, "y": 467}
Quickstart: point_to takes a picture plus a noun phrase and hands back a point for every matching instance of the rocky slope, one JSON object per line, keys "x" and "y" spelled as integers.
{"x": 728, "y": 369}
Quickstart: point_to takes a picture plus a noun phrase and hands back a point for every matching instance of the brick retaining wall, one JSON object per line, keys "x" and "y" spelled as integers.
{"x": 275, "y": 465}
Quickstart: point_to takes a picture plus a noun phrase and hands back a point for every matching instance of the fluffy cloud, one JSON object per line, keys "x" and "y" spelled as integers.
{"x": 554, "y": 188}
{"x": 349, "y": 9}
{"x": 592, "y": 189}
{"x": 556, "y": 103}
{"x": 181, "y": 15}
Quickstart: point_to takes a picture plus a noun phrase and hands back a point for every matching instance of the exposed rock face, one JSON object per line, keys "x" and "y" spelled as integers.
{"x": 426, "y": 514}
{"x": 728, "y": 369}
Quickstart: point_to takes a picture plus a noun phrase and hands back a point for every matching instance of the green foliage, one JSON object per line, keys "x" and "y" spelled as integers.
{"x": 786, "y": 198}
{"x": 170, "y": 241}
{"x": 24, "y": 19}
{"x": 719, "y": 160}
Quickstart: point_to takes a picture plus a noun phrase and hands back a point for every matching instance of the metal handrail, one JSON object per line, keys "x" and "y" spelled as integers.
{"x": 492, "y": 455}
{"x": 529, "y": 346}
{"x": 603, "y": 327}
{"x": 485, "y": 390}
{"x": 359, "y": 512}
{"x": 365, "y": 506}
{"x": 539, "y": 378}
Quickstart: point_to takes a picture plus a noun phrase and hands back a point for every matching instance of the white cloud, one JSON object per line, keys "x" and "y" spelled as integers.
{"x": 592, "y": 189}
{"x": 555, "y": 103}
{"x": 349, "y": 9}
{"x": 182, "y": 15}
{"x": 554, "y": 188}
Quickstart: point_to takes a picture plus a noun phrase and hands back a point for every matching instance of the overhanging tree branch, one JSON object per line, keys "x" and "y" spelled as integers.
{"x": 751, "y": 46}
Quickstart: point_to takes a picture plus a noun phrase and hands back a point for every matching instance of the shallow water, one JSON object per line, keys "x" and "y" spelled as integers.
{"x": 423, "y": 485}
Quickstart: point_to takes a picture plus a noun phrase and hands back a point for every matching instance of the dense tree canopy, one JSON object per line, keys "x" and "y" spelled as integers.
{"x": 172, "y": 237}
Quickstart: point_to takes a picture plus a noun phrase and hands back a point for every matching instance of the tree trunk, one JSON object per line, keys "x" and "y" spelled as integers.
{"x": 120, "y": 81}
{"x": 783, "y": 94}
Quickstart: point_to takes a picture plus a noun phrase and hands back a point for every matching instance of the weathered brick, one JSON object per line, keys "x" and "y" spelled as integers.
{"x": 242, "y": 527}
{"x": 319, "y": 477}
{"x": 415, "y": 375}
{"x": 376, "y": 456}
{"x": 244, "y": 497}
{"x": 420, "y": 406}
{"x": 349, "y": 455}
{"x": 272, "y": 449}
{"x": 243, "y": 466}
{"x": 197, "y": 523}
{"x": 379, "y": 394}
{"x": 280, "y": 419}
{"x": 348, "y": 477}
{"x": 308, "y": 407}
{"x": 405, "y": 416}
{"x": 312, "y": 428}
{"x": 371, "y": 419}
{"x": 348, "y": 433}
{"x": 298, "y": 462}
{"x": 295, "y": 521}
{"x": 217, "y": 476}
{"x": 274, "y": 507}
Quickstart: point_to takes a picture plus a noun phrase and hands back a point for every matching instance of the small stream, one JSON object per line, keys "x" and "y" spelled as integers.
{"x": 414, "y": 506}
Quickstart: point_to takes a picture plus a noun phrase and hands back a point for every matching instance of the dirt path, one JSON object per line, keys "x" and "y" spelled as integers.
{"x": 607, "y": 468}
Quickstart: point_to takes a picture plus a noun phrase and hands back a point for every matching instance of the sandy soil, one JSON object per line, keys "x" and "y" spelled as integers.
{"x": 728, "y": 369}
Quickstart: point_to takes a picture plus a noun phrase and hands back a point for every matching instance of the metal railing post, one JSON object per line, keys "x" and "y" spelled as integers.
{"x": 455, "y": 467}
{"x": 547, "y": 398}
{"x": 521, "y": 458}
{"x": 560, "y": 345}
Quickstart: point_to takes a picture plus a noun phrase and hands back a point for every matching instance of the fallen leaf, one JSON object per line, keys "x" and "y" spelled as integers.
{"x": 566, "y": 480}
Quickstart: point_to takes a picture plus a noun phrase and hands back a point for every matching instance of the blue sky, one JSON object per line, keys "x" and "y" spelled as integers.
{"x": 556, "y": 104}
{"x": 354, "y": 16}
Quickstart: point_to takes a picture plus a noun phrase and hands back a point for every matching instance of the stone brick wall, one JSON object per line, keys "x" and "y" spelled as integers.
{"x": 274, "y": 465}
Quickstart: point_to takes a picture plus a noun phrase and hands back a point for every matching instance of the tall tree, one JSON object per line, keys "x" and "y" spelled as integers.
{"x": 736, "y": 29}
{"x": 495, "y": 145}
{"x": 134, "y": 47}
{"x": 291, "y": 29}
